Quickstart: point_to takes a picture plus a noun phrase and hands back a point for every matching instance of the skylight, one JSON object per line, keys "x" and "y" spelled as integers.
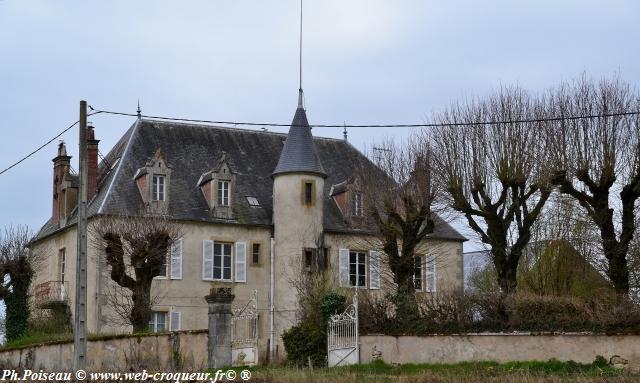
{"x": 253, "y": 201}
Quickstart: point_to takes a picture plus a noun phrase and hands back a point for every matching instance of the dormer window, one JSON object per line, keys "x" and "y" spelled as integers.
{"x": 153, "y": 182}
{"x": 223, "y": 193}
{"x": 356, "y": 204}
{"x": 217, "y": 186}
{"x": 158, "y": 187}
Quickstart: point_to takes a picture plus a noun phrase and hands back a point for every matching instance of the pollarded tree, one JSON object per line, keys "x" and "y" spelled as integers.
{"x": 494, "y": 174}
{"x": 136, "y": 251}
{"x": 597, "y": 162}
{"x": 399, "y": 196}
{"x": 17, "y": 264}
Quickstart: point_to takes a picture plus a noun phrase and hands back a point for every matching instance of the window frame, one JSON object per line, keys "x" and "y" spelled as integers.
{"x": 363, "y": 264}
{"x": 224, "y": 193}
{"x": 158, "y": 189}
{"x": 253, "y": 254}
{"x": 419, "y": 272}
{"x": 153, "y": 323}
{"x": 357, "y": 209}
{"x": 62, "y": 263}
{"x": 222, "y": 256}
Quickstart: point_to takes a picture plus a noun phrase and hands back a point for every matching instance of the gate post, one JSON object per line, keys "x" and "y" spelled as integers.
{"x": 219, "y": 341}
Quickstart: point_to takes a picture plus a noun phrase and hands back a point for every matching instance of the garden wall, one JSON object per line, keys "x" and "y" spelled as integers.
{"x": 582, "y": 348}
{"x": 181, "y": 351}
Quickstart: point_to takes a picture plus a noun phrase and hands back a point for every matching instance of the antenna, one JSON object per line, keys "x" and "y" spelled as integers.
{"x": 300, "y": 87}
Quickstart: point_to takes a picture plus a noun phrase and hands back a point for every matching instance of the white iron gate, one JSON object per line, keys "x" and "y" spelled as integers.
{"x": 244, "y": 333}
{"x": 343, "y": 343}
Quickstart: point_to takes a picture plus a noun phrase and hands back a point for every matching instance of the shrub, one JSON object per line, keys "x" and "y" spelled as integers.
{"x": 460, "y": 313}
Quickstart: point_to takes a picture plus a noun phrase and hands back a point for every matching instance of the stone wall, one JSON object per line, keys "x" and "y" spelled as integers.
{"x": 582, "y": 348}
{"x": 179, "y": 351}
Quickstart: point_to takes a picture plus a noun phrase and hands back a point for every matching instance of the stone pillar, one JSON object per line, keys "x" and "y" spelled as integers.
{"x": 219, "y": 344}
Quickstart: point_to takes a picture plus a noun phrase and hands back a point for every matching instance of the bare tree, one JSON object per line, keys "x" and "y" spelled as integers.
{"x": 494, "y": 174}
{"x": 17, "y": 264}
{"x": 398, "y": 197}
{"x": 136, "y": 251}
{"x": 597, "y": 162}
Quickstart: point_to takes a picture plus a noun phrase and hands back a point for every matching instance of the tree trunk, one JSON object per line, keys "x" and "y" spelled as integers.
{"x": 618, "y": 272}
{"x": 141, "y": 310}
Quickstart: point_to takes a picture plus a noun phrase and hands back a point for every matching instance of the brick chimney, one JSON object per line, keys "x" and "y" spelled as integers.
{"x": 92, "y": 164}
{"x": 61, "y": 164}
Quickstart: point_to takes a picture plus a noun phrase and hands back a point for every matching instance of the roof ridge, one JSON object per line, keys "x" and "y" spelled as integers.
{"x": 213, "y": 126}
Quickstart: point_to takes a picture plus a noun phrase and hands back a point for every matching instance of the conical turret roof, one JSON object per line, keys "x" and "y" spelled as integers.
{"x": 299, "y": 154}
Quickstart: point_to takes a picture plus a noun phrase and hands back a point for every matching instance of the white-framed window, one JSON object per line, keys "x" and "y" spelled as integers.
{"x": 158, "y": 322}
{"x": 223, "y": 193}
{"x": 430, "y": 276}
{"x": 417, "y": 272}
{"x": 356, "y": 204}
{"x": 172, "y": 262}
{"x": 222, "y": 261}
{"x": 62, "y": 264}
{"x": 158, "y": 187}
{"x": 357, "y": 269}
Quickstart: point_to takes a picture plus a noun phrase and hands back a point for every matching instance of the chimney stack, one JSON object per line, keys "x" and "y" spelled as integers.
{"x": 61, "y": 164}
{"x": 92, "y": 163}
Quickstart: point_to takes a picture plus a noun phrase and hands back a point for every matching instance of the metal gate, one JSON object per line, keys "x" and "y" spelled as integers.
{"x": 244, "y": 333}
{"x": 343, "y": 343}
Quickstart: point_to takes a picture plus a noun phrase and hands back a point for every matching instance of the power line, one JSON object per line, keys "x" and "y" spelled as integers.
{"x": 265, "y": 124}
{"x": 425, "y": 125}
{"x": 41, "y": 147}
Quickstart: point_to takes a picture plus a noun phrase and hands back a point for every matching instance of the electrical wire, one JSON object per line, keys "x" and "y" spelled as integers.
{"x": 265, "y": 124}
{"x": 425, "y": 125}
{"x": 42, "y": 146}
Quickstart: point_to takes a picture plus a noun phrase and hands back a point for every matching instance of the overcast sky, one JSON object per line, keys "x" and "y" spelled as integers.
{"x": 365, "y": 61}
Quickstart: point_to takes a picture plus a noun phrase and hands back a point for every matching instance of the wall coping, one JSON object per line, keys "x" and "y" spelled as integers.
{"x": 100, "y": 338}
{"x": 515, "y": 333}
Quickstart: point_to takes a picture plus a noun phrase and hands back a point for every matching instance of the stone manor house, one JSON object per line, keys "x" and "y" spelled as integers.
{"x": 252, "y": 205}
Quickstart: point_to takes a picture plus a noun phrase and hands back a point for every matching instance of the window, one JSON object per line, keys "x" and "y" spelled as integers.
{"x": 158, "y": 188}
{"x": 357, "y": 269}
{"x": 222, "y": 261}
{"x": 253, "y": 201}
{"x": 158, "y": 322}
{"x": 417, "y": 272}
{"x": 430, "y": 274}
{"x": 165, "y": 266}
{"x": 308, "y": 193}
{"x": 356, "y": 204}
{"x": 223, "y": 193}
{"x": 62, "y": 263}
{"x": 255, "y": 254}
{"x": 308, "y": 261}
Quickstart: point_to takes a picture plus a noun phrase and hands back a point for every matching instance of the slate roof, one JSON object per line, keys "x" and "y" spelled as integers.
{"x": 299, "y": 154}
{"x": 191, "y": 150}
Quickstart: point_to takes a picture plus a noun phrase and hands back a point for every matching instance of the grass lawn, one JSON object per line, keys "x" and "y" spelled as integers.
{"x": 550, "y": 371}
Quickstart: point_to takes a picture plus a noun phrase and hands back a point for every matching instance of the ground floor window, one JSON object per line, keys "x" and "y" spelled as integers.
{"x": 357, "y": 269}
{"x": 417, "y": 272}
{"x": 158, "y": 322}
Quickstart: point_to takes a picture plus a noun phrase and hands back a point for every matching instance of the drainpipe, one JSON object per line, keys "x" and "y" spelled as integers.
{"x": 272, "y": 270}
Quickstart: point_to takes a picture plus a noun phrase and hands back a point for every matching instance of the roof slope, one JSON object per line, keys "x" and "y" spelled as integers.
{"x": 299, "y": 154}
{"x": 192, "y": 150}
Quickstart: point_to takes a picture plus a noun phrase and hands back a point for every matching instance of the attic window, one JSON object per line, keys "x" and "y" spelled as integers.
{"x": 253, "y": 201}
{"x": 356, "y": 204}
{"x": 158, "y": 187}
{"x": 223, "y": 193}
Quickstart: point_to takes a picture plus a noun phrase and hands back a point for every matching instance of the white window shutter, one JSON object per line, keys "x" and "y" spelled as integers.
{"x": 430, "y": 274}
{"x": 241, "y": 261}
{"x": 344, "y": 267}
{"x": 374, "y": 270}
{"x": 176, "y": 259}
{"x": 207, "y": 260}
{"x": 174, "y": 321}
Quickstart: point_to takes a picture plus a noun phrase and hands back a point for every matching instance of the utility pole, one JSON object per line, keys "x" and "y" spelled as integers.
{"x": 80, "y": 320}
